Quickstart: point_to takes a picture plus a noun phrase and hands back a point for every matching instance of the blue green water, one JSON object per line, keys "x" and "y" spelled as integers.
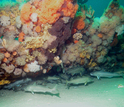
{"x": 98, "y": 5}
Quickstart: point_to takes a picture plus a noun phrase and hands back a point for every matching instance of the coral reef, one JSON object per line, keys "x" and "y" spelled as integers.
{"x": 39, "y": 34}
{"x": 99, "y": 36}
{"x": 47, "y": 11}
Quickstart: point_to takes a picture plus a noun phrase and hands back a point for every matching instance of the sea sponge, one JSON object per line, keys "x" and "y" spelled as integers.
{"x": 96, "y": 41}
{"x": 26, "y": 29}
{"x": 18, "y": 22}
{"x": 77, "y": 36}
{"x": 21, "y": 60}
{"x": 101, "y": 59}
{"x": 11, "y": 44}
{"x": 42, "y": 59}
{"x": 17, "y": 71}
{"x": 91, "y": 31}
{"x": 33, "y": 66}
{"x": 22, "y": 51}
{"x": 120, "y": 30}
{"x": 72, "y": 52}
{"x": 9, "y": 35}
{"x": 48, "y": 43}
{"x": 1, "y": 57}
{"x": 36, "y": 53}
{"x": 1, "y": 31}
{"x": 4, "y": 20}
{"x": 107, "y": 24}
{"x": 33, "y": 17}
{"x": 9, "y": 69}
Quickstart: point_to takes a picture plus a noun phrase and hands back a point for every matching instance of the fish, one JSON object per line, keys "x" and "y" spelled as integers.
{"x": 103, "y": 73}
{"x": 78, "y": 81}
{"x": 75, "y": 70}
{"x": 33, "y": 88}
{"x": 53, "y": 79}
{"x": 64, "y": 76}
{"x": 17, "y": 83}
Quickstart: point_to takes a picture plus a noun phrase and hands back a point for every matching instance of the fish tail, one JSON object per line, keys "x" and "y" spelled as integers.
{"x": 55, "y": 87}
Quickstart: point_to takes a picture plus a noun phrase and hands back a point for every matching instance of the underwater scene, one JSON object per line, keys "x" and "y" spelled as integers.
{"x": 61, "y": 53}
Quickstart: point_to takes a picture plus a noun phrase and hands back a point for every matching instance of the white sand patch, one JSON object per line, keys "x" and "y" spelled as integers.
{"x": 101, "y": 93}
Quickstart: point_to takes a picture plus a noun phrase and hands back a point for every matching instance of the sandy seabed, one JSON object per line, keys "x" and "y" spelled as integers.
{"x": 100, "y": 93}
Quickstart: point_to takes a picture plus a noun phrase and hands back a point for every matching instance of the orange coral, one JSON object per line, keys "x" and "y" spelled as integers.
{"x": 5, "y": 60}
{"x": 25, "y": 12}
{"x": 36, "y": 3}
{"x": 73, "y": 31}
{"x": 48, "y": 11}
{"x": 100, "y": 35}
{"x": 7, "y": 54}
{"x": 14, "y": 53}
{"x": 21, "y": 36}
{"x": 79, "y": 23}
{"x": 38, "y": 29}
{"x": 76, "y": 41}
{"x": 69, "y": 9}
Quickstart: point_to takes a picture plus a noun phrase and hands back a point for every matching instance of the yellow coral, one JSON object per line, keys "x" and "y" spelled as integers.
{"x": 29, "y": 58}
{"x": 91, "y": 63}
{"x": 3, "y": 82}
{"x": 3, "y": 12}
{"x": 34, "y": 42}
{"x": 37, "y": 42}
{"x": 83, "y": 54}
{"x": 4, "y": 42}
{"x": 53, "y": 50}
{"x": 88, "y": 56}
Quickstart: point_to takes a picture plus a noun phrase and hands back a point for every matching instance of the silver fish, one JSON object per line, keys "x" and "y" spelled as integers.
{"x": 53, "y": 78}
{"x": 75, "y": 70}
{"x": 103, "y": 73}
{"x": 17, "y": 83}
{"x": 78, "y": 81}
{"x": 33, "y": 88}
